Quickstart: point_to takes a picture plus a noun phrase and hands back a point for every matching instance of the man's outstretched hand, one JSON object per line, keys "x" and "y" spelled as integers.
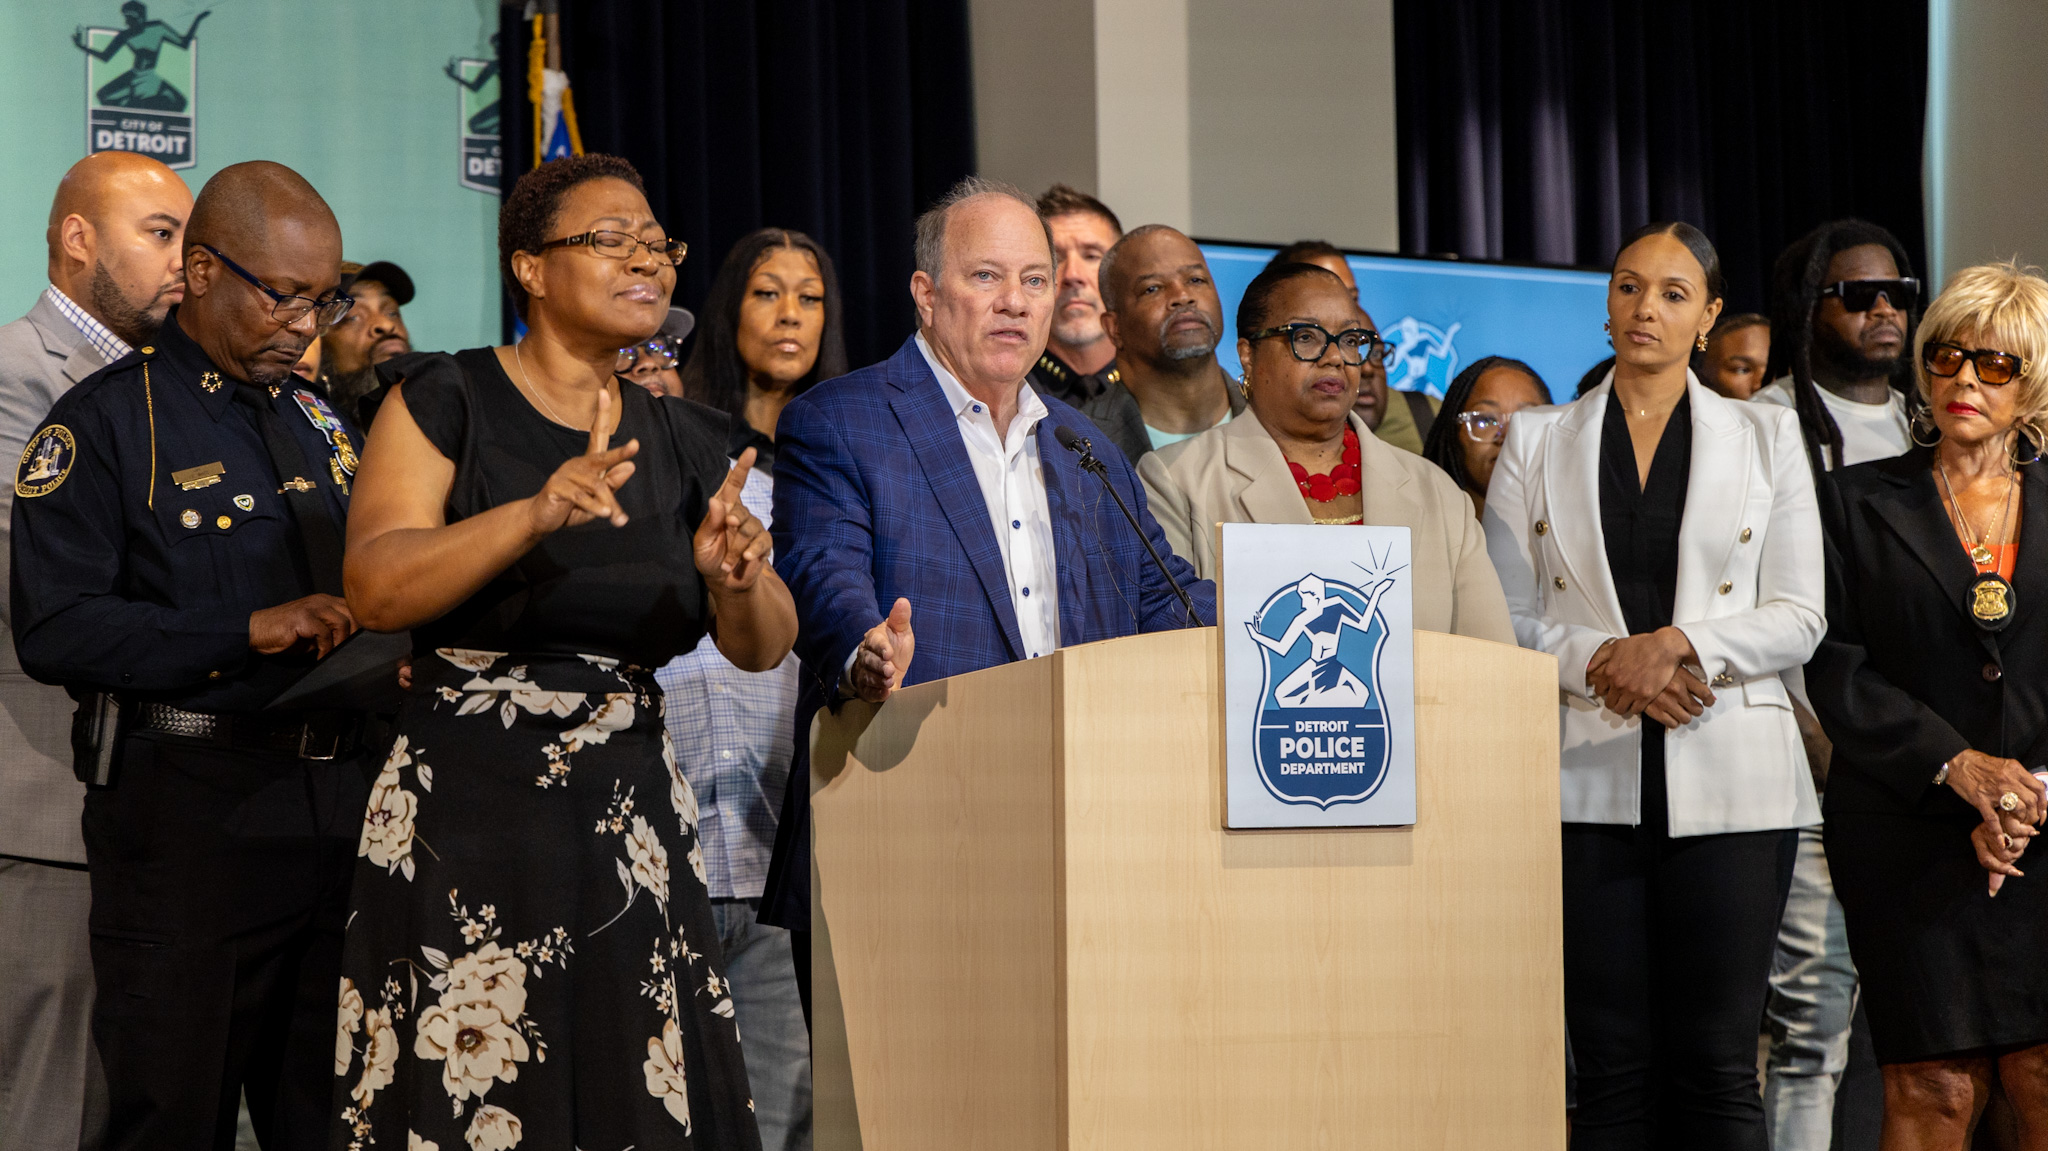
{"x": 882, "y": 658}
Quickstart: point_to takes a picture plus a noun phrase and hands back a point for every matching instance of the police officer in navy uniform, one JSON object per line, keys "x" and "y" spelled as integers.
{"x": 177, "y": 546}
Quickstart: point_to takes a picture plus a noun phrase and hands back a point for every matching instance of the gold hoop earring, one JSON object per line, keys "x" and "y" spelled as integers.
{"x": 1701, "y": 343}
{"x": 2012, "y": 453}
{"x": 1919, "y": 421}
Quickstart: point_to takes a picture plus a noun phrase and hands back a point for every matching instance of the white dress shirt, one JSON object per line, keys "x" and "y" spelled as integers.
{"x": 1013, "y": 484}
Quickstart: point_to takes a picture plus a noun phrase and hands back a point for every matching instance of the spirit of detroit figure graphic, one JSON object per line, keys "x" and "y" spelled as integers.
{"x": 140, "y": 86}
{"x": 1323, "y": 681}
{"x": 485, "y": 122}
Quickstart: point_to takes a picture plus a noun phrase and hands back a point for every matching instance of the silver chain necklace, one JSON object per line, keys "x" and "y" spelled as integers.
{"x": 535, "y": 390}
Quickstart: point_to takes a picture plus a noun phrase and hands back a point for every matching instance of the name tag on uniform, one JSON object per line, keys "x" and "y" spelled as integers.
{"x": 205, "y": 475}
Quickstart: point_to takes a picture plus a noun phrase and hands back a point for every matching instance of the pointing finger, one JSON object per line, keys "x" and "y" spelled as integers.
{"x": 736, "y": 479}
{"x": 600, "y": 428}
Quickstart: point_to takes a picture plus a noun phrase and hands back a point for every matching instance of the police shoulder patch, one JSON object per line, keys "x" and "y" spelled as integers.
{"x": 46, "y": 461}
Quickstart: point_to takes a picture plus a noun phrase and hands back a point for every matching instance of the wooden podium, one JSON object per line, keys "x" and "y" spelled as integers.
{"x": 1032, "y": 930}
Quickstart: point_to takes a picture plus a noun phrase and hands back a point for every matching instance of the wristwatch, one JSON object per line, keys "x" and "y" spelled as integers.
{"x": 1941, "y": 775}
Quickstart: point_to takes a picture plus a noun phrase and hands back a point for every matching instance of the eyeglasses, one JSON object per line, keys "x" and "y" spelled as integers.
{"x": 1993, "y": 368}
{"x": 289, "y": 310}
{"x": 619, "y": 246}
{"x": 1308, "y": 342}
{"x": 1484, "y": 427}
{"x": 1861, "y": 295}
{"x": 660, "y": 352}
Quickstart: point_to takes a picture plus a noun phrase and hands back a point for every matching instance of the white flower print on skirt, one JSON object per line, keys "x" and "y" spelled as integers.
{"x": 526, "y": 966}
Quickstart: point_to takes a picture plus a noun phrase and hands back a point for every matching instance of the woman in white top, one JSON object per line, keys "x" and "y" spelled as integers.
{"x": 1664, "y": 544}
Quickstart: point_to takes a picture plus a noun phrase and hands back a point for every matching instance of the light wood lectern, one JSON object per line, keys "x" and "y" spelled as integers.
{"x": 1032, "y": 930}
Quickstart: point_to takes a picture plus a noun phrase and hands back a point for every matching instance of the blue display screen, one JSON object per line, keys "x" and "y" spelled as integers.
{"x": 1438, "y": 315}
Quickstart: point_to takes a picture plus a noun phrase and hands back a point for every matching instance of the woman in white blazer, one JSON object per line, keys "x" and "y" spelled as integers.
{"x": 1664, "y": 543}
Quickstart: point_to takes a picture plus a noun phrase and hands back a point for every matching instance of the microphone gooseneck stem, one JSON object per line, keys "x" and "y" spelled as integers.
{"x": 1101, "y": 472}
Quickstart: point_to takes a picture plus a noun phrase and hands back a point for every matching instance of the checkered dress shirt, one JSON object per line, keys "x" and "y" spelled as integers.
{"x": 110, "y": 346}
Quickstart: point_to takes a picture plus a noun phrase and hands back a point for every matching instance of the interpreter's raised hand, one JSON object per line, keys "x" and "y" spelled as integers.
{"x": 883, "y": 657}
{"x": 731, "y": 546}
{"x": 1985, "y": 780}
{"x": 586, "y": 488}
{"x": 319, "y": 621}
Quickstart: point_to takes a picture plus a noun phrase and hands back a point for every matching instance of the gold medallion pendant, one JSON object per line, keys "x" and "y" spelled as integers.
{"x": 1989, "y": 601}
{"x": 1981, "y": 555}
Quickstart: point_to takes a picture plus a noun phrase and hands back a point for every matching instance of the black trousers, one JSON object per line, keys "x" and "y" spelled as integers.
{"x": 219, "y": 894}
{"x": 1667, "y": 955}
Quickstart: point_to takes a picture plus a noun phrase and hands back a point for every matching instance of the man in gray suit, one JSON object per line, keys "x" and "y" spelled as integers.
{"x": 116, "y": 240}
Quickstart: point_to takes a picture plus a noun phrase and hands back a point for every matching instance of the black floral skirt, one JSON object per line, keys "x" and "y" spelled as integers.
{"x": 531, "y": 959}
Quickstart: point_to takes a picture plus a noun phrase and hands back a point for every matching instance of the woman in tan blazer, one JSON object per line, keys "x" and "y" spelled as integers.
{"x": 1298, "y": 455}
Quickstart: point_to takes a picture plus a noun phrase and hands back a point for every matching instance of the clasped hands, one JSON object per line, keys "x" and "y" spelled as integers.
{"x": 1648, "y": 675}
{"x": 2002, "y": 836}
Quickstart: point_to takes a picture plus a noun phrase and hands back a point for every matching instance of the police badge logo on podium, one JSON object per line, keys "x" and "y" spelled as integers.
{"x": 1318, "y": 650}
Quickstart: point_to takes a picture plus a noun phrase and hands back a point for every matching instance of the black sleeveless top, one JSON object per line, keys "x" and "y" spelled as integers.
{"x": 630, "y": 593}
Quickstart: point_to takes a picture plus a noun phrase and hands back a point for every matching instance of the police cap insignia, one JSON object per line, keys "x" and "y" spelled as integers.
{"x": 46, "y": 461}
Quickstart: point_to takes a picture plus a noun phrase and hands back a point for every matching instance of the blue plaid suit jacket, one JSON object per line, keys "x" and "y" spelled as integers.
{"x": 875, "y": 498}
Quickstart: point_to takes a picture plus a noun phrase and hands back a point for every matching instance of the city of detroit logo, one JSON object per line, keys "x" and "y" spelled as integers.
{"x": 150, "y": 106}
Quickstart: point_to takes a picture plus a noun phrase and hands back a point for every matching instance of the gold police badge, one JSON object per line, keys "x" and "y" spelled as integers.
{"x": 1990, "y": 601}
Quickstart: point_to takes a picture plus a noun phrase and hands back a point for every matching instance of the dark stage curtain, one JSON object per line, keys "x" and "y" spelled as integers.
{"x": 841, "y": 120}
{"x": 1545, "y": 130}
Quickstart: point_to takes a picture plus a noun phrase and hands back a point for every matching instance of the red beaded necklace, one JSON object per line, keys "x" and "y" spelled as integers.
{"x": 1341, "y": 480}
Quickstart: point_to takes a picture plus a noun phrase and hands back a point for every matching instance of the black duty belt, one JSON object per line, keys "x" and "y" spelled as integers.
{"x": 301, "y": 735}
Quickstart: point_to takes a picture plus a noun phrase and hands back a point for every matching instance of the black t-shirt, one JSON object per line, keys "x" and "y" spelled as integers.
{"x": 630, "y": 593}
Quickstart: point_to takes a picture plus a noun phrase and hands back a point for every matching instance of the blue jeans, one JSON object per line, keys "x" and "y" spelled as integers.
{"x": 1812, "y": 1000}
{"x": 773, "y": 1036}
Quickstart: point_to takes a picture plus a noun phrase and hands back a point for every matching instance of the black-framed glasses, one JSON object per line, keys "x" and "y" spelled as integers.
{"x": 659, "y": 351}
{"x": 1309, "y": 341}
{"x": 619, "y": 245}
{"x": 1861, "y": 295}
{"x": 1994, "y": 368}
{"x": 1484, "y": 427}
{"x": 289, "y": 310}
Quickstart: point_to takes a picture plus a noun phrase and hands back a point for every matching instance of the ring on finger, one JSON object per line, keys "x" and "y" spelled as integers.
{"x": 2010, "y": 801}
{"x": 2006, "y": 840}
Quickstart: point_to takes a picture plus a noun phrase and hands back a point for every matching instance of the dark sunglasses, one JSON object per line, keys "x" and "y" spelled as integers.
{"x": 1861, "y": 295}
{"x": 1993, "y": 368}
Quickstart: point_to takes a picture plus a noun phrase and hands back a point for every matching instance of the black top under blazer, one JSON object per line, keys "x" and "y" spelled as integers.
{"x": 1905, "y": 679}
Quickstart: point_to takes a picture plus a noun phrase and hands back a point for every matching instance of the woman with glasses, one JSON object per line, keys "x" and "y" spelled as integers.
{"x": 531, "y": 956}
{"x": 651, "y": 363}
{"x": 772, "y": 328}
{"x": 1477, "y": 407}
{"x": 1301, "y": 454}
{"x": 1933, "y": 684}
{"x": 1663, "y": 543}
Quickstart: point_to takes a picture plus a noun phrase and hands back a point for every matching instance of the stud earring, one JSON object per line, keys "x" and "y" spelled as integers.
{"x": 1701, "y": 343}
{"x": 1606, "y": 326}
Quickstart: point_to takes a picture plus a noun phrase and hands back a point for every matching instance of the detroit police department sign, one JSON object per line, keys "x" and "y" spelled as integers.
{"x": 1319, "y": 676}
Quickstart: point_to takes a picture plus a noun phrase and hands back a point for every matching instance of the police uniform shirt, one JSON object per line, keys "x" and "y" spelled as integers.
{"x": 149, "y": 524}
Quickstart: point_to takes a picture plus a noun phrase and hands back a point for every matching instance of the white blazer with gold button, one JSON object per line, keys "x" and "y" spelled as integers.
{"x": 1750, "y": 597}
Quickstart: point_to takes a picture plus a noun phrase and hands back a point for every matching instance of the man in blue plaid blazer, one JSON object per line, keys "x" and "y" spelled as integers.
{"x": 933, "y": 483}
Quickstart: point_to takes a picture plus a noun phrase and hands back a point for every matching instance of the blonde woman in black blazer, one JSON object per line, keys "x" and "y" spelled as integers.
{"x": 1933, "y": 683}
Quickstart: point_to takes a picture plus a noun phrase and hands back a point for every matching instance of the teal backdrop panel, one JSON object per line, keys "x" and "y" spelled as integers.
{"x": 387, "y": 106}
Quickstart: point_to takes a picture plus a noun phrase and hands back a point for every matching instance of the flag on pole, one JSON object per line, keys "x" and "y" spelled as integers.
{"x": 554, "y": 107}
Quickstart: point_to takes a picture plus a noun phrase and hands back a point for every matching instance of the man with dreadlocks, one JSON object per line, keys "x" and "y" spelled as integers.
{"x": 1843, "y": 305}
{"x": 1843, "y": 302}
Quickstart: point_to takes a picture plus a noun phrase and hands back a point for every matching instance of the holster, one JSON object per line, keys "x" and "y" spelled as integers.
{"x": 96, "y": 730}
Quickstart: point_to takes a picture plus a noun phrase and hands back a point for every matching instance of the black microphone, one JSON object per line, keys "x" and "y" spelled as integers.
{"x": 1080, "y": 446}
